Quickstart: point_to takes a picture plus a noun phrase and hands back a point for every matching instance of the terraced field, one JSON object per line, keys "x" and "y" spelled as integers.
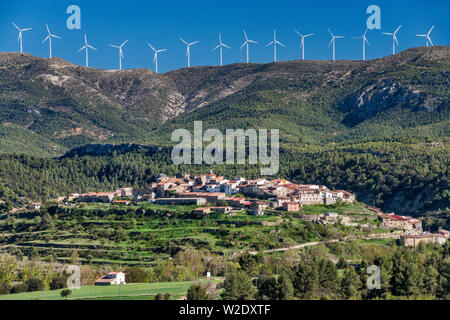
{"x": 142, "y": 235}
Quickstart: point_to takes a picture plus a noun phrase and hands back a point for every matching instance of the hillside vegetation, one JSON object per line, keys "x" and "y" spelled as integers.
{"x": 310, "y": 101}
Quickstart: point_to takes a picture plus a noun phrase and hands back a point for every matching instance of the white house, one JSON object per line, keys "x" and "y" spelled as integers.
{"x": 111, "y": 279}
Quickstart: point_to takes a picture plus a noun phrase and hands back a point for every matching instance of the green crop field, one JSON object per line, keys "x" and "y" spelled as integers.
{"x": 137, "y": 291}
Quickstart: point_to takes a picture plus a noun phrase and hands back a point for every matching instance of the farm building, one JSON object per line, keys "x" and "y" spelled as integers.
{"x": 111, "y": 279}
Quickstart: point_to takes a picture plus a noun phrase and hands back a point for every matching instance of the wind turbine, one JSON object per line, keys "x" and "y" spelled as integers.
{"x": 155, "y": 59}
{"x": 221, "y": 46}
{"x": 275, "y": 43}
{"x": 87, "y": 47}
{"x": 364, "y": 41}
{"x": 427, "y": 36}
{"x": 333, "y": 41}
{"x": 49, "y": 38}
{"x": 246, "y": 43}
{"x": 188, "y": 53}
{"x": 120, "y": 53}
{"x": 394, "y": 39}
{"x": 20, "y": 35}
{"x": 303, "y": 42}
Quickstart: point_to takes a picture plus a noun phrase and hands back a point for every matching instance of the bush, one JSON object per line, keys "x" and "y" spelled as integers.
{"x": 35, "y": 284}
{"x": 136, "y": 275}
{"x": 66, "y": 293}
{"x": 59, "y": 282}
{"x": 161, "y": 296}
{"x": 197, "y": 292}
{"x": 5, "y": 288}
{"x": 19, "y": 288}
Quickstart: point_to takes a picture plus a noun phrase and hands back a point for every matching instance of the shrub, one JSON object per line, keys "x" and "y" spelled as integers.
{"x": 136, "y": 275}
{"x": 59, "y": 282}
{"x": 35, "y": 284}
{"x": 66, "y": 293}
{"x": 197, "y": 292}
{"x": 5, "y": 288}
{"x": 19, "y": 288}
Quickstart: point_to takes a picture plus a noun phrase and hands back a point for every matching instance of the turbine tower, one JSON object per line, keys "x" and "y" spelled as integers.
{"x": 333, "y": 41}
{"x": 246, "y": 43}
{"x": 155, "y": 59}
{"x": 221, "y": 46}
{"x": 394, "y": 39}
{"x": 275, "y": 43}
{"x": 20, "y": 35}
{"x": 427, "y": 36}
{"x": 87, "y": 47}
{"x": 364, "y": 41}
{"x": 120, "y": 53}
{"x": 188, "y": 53}
{"x": 49, "y": 38}
{"x": 302, "y": 45}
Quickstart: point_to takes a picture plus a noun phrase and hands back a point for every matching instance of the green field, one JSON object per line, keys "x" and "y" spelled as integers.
{"x": 138, "y": 291}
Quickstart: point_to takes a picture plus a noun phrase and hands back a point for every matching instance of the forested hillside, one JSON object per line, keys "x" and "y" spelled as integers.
{"x": 378, "y": 128}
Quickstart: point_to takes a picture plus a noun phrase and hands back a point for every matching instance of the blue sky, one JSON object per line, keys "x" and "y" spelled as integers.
{"x": 162, "y": 23}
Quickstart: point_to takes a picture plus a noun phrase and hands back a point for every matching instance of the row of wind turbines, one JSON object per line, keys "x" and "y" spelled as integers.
{"x": 275, "y": 43}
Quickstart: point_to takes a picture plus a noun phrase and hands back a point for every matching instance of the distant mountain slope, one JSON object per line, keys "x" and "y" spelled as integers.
{"x": 310, "y": 101}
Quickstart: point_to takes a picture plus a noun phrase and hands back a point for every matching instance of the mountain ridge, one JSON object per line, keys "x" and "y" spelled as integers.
{"x": 312, "y": 101}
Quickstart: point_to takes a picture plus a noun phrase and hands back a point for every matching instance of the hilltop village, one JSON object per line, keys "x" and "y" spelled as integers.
{"x": 211, "y": 193}
{"x": 254, "y": 195}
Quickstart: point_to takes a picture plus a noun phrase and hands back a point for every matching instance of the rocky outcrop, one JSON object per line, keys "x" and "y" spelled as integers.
{"x": 366, "y": 102}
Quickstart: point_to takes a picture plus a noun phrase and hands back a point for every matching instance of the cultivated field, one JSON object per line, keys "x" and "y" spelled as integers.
{"x": 138, "y": 291}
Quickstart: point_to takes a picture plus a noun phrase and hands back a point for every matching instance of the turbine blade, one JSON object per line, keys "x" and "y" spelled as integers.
{"x": 429, "y": 39}
{"x": 216, "y": 48}
{"x": 53, "y": 36}
{"x": 27, "y": 29}
{"x": 431, "y": 30}
{"x": 92, "y": 47}
{"x": 396, "y": 39}
{"x": 280, "y": 44}
{"x": 151, "y": 47}
{"x": 298, "y": 33}
{"x": 365, "y": 39}
{"x": 124, "y": 43}
{"x": 309, "y": 35}
{"x": 48, "y": 29}
{"x": 184, "y": 41}
{"x": 269, "y": 44}
{"x": 421, "y": 35}
{"x": 330, "y": 32}
{"x": 15, "y": 26}
{"x": 332, "y": 40}
{"x": 114, "y": 46}
{"x": 244, "y": 44}
{"x": 226, "y": 46}
{"x": 193, "y": 43}
{"x": 245, "y": 34}
{"x": 388, "y": 34}
{"x": 82, "y": 49}
{"x": 45, "y": 39}
{"x": 397, "y": 29}
{"x": 251, "y": 41}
